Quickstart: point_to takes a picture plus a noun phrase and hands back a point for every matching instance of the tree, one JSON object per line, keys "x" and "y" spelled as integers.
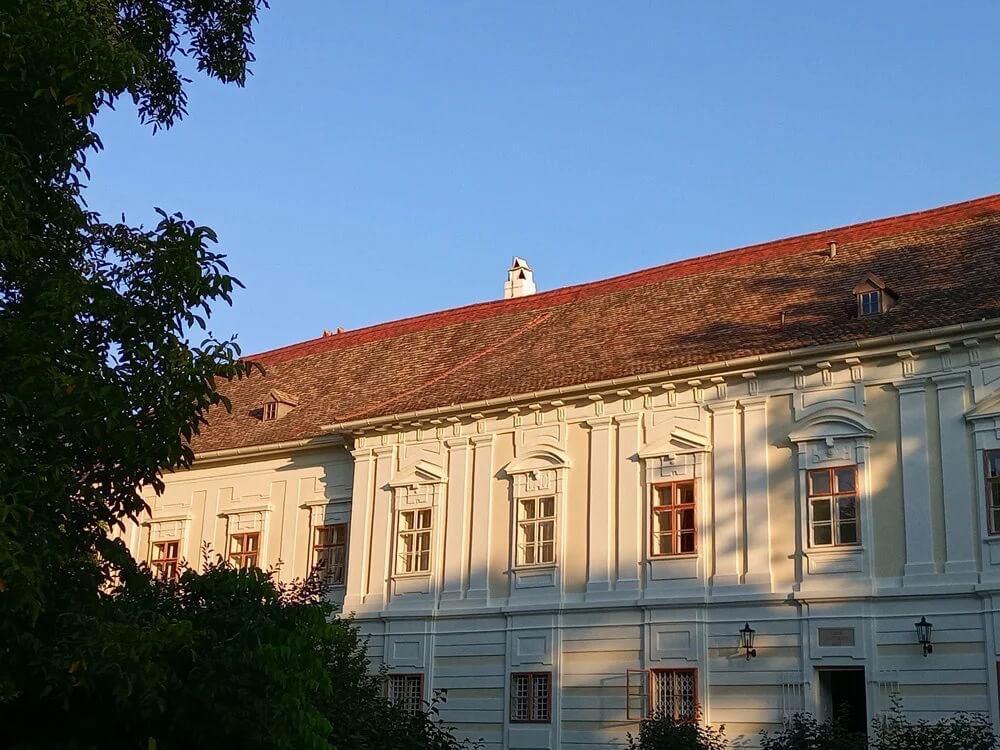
{"x": 100, "y": 383}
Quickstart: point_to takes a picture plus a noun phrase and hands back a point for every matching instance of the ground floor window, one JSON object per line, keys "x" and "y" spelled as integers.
{"x": 673, "y": 693}
{"x": 406, "y": 691}
{"x": 531, "y": 697}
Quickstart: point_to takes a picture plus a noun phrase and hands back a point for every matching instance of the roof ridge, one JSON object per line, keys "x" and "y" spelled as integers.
{"x": 858, "y": 231}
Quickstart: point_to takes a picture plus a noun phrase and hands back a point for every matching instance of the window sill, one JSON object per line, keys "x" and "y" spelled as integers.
{"x": 421, "y": 574}
{"x": 535, "y": 568}
{"x": 679, "y": 556}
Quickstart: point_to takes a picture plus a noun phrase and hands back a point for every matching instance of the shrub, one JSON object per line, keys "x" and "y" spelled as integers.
{"x": 804, "y": 732}
{"x": 959, "y": 732}
{"x": 665, "y": 733}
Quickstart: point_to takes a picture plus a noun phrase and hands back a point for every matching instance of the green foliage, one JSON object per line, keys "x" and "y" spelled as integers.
{"x": 804, "y": 732}
{"x": 663, "y": 732}
{"x": 959, "y": 732}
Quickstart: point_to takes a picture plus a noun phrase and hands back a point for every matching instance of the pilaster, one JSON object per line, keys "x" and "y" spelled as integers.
{"x": 482, "y": 489}
{"x": 383, "y": 526}
{"x": 727, "y": 508}
{"x": 960, "y": 516}
{"x": 913, "y": 451}
{"x": 459, "y": 512}
{"x": 600, "y": 519}
{"x": 630, "y": 506}
{"x": 756, "y": 521}
{"x": 358, "y": 554}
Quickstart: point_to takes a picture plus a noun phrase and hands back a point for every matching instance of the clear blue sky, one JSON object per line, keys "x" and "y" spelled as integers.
{"x": 388, "y": 158}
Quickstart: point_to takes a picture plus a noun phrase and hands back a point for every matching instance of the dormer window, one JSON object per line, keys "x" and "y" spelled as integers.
{"x": 870, "y": 303}
{"x": 277, "y": 405}
{"x": 873, "y": 296}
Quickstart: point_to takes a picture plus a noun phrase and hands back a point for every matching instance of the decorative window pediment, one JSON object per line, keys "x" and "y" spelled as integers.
{"x": 417, "y": 484}
{"x": 419, "y": 472}
{"x": 988, "y": 408}
{"x": 832, "y": 424}
{"x": 679, "y": 441}
{"x": 538, "y": 459}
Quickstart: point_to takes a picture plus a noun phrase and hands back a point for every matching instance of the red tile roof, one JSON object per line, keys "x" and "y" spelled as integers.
{"x": 943, "y": 263}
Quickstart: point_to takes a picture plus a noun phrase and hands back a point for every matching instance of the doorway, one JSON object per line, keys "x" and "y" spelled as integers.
{"x": 843, "y": 696}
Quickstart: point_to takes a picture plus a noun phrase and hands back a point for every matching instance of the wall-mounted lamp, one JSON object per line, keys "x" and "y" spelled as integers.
{"x": 924, "y": 635}
{"x": 746, "y": 640}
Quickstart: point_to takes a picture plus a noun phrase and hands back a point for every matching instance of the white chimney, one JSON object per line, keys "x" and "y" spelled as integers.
{"x": 520, "y": 281}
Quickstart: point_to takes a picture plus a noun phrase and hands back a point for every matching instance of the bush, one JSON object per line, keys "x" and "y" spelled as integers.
{"x": 959, "y": 732}
{"x": 804, "y": 732}
{"x": 665, "y": 733}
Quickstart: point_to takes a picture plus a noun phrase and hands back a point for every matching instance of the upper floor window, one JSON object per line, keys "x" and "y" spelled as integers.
{"x": 870, "y": 303}
{"x": 992, "y": 458}
{"x": 406, "y": 691}
{"x": 413, "y": 541}
{"x": 531, "y": 697}
{"x": 833, "y": 506}
{"x": 330, "y": 551}
{"x": 244, "y": 549}
{"x": 165, "y": 558}
{"x": 674, "y": 693}
{"x": 873, "y": 296}
{"x": 536, "y": 531}
{"x": 673, "y": 520}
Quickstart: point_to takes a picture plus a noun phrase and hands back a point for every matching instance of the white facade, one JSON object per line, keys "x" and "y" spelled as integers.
{"x": 520, "y": 540}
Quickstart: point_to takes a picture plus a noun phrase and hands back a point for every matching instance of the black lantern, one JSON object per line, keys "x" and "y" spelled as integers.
{"x": 924, "y": 635}
{"x": 746, "y": 640}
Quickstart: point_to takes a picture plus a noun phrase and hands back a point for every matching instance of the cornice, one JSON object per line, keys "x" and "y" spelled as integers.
{"x": 856, "y": 348}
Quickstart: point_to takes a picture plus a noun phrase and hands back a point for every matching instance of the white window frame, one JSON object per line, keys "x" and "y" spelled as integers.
{"x": 399, "y": 689}
{"x": 403, "y": 557}
{"x": 536, "y": 523}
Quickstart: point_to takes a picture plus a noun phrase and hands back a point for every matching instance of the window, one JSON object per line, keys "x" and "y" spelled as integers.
{"x": 270, "y": 411}
{"x": 531, "y": 697}
{"x": 244, "y": 549}
{"x": 330, "y": 551}
{"x": 413, "y": 543}
{"x": 870, "y": 303}
{"x": 673, "y": 525}
{"x": 993, "y": 489}
{"x": 833, "y": 506}
{"x": 673, "y": 693}
{"x": 165, "y": 559}
{"x": 406, "y": 691}
{"x": 536, "y": 531}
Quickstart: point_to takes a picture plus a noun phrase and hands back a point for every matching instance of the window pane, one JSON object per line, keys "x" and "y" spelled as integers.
{"x": 547, "y": 553}
{"x": 993, "y": 464}
{"x": 527, "y": 509}
{"x": 996, "y": 519}
{"x": 685, "y": 492}
{"x": 848, "y": 533}
{"x": 821, "y": 509}
{"x": 819, "y": 482}
{"x": 423, "y": 541}
{"x": 546, "y": 531}
{"x": 847, "y": 508}
{"x": 686, "y": 519}
{"x": 687, "y": 542}
{"x": 424, "y": 519}
{"x": 540, "y": 699}
{"x": 528, "y": 532}
{"x": 845, "y": 479}
{"x": 664, "y": 495}
{"x": 823, "y": 534}
{"x": 663, "y": 520}
{"x": 251, "y": 545}
{"x": 529, "y": 554}
{"x": 424, "y": 561}
{"x": 519, "y": 698}
{"x": 994, "y": 494}
{"x": 547, "y": 507}
{"x": 664, "y": 544}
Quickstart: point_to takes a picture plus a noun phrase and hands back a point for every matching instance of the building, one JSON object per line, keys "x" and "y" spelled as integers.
{"x": 563, "y": 507}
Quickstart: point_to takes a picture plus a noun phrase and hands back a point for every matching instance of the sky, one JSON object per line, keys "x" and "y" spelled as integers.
{"x": 388, "y": 159}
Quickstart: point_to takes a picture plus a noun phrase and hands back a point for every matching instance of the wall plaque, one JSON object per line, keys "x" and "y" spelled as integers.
{"x": 836, "y": 637}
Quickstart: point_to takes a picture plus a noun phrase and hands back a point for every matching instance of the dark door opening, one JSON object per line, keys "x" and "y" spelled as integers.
{"x": 842, "y": 696}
